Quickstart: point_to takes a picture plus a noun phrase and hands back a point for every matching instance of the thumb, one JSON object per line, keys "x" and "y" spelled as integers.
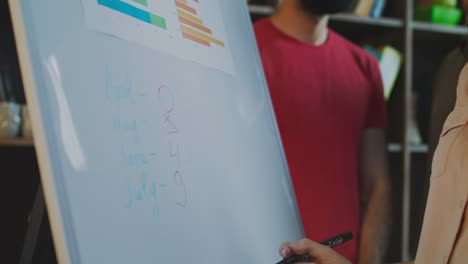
{"x": 321, "y": 253}
{"x": 307, "y": 246}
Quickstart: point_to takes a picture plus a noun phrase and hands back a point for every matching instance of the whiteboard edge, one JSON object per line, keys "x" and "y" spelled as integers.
{"x": 42, "y": 151}
{"x": 258, "y": 61}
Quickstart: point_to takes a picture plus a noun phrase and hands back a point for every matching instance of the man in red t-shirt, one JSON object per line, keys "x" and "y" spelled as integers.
{"x": 329, "y": 104}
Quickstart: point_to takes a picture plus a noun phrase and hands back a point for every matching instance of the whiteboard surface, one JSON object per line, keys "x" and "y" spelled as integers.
{"x": 148, "y": 156}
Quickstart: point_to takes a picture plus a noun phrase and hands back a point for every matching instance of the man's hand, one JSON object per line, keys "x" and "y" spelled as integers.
{"x": 321, "y": 253}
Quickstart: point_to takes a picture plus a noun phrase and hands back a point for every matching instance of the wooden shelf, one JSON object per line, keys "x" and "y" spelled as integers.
{"x": 261, "y": 10}
{"x": 430, "y": 27}
{"x": 392, "y": 147}
{"x": 19, "y": 142}
{"x": 381, "y": 22}
{"x": 397, "y": 148}
{"x": 349, "y": 18}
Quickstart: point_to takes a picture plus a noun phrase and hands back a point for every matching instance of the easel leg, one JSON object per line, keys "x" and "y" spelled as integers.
{"x": 34, "y": 226}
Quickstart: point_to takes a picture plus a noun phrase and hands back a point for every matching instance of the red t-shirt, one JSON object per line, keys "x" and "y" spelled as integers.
{"x": 324, "y": 97}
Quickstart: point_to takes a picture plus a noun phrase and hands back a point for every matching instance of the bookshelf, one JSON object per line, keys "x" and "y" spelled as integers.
{"x": 382, "y": 22}
{"x": 423, "y": 46}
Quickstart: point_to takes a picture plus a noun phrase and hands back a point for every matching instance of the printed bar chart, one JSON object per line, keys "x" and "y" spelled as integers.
{"x": 193, "y": 27}
{"x": 191, "y": 30}
{"x": 135, "y": 12}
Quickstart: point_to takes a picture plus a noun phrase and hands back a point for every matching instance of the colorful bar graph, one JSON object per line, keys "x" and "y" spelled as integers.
{"x": 186, "y": 7}
{"x": 195, "y": 25}
{"x": 134, "y": 12}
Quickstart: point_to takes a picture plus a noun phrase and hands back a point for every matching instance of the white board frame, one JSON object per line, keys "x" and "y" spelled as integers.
{"x": 40, "y": 141}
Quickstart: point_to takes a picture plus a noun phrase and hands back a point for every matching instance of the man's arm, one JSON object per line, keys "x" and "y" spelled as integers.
{"x": 375, "y": 195}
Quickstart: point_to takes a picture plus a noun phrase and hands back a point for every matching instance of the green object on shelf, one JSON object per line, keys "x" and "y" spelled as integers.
{"x": 438, "y": 14}
{"x": 446, "y": 3}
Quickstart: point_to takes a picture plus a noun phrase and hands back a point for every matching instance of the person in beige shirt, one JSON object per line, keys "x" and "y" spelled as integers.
{"x": 444, "y": 237}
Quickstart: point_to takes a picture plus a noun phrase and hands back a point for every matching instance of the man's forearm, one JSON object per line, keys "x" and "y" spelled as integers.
{"x": 375, "y": 225}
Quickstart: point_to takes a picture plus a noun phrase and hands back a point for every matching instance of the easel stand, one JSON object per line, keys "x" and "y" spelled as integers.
{"x": 34, "y": 226}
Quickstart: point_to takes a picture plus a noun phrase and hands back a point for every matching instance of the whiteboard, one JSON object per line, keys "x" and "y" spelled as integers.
{"x": 155, "y": 132}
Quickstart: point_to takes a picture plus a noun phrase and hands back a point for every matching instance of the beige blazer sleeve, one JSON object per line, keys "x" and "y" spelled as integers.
{"x": 443, "y": 229}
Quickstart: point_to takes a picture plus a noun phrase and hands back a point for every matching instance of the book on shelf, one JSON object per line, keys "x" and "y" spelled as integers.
{"x": 378, "y": 8}
{"x": 369, "y": 8}
{"x": 363, "y": 7}
{"x": 7, "y": 93}
{"x": 3, "y": 96}
{"x": 415, "y": 137}
{"x": 390, "y": 60}
{"x": 390, "y": 64}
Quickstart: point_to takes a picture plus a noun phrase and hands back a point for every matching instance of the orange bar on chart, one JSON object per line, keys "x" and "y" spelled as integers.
{"x": 195, "y": 25}
{"x": 189, "y": 16}
{"x": 200, "y": 35}
{"x": 193, "y": 38}
{"x": 186, "y": 7}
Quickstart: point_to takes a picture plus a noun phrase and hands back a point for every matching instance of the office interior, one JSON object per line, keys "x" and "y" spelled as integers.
{"x": 420, "y": 45}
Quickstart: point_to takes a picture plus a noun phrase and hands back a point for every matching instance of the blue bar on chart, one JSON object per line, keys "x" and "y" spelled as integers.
{"x": 134, "y": 12}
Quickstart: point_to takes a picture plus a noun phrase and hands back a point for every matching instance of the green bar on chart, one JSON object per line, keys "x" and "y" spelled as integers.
{"x": 142, "y": 2}
{"x": 158, "y": 21}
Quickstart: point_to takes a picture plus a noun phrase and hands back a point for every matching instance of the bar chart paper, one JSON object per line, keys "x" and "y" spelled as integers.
{"x": 189, "y": 29}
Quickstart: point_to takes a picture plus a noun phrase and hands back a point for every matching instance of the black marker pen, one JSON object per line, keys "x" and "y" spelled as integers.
{"x": 332, "y": 242}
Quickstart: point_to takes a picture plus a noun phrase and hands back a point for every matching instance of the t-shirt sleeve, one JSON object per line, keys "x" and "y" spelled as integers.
{"x": 260, "y": 37}
{"x": 376, "y": 112}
